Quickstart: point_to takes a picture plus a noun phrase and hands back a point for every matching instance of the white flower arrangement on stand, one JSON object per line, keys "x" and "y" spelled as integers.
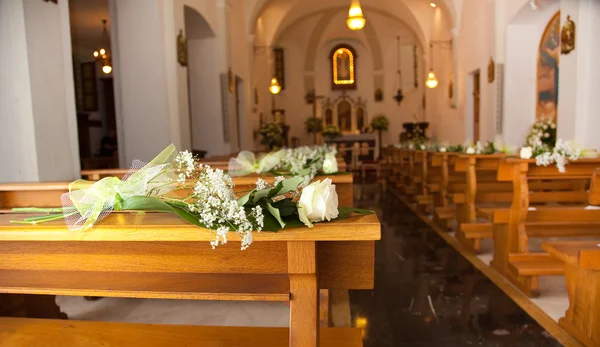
{"x": 541, "y": 143}
{"x": 209, "y": 201}
{"x": 541, "y": 135}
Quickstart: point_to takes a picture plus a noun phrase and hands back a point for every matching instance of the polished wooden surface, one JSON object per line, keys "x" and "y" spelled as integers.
{"x": 582, "y": 263}
{"x": 152, "y": 227}
{"x": 158, "y": 255}
{"x": 16, "y": 332}
{"x": 48, "y": 194}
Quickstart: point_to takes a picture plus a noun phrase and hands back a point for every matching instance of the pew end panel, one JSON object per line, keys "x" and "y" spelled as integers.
{"x": 582, "y": 266}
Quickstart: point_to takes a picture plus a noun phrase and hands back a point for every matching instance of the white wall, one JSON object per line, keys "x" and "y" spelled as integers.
{"x": 579, "y": 73}
{"x": 524, "y": 33}
{"x": 39, "y": 131}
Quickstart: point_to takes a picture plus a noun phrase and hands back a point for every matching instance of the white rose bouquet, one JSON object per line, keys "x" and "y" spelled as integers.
{"x": 204, "y": 198}
{"x": 301, "y": 161}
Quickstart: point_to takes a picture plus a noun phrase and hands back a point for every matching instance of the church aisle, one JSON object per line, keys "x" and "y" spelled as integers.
{"x": 427, "y": 294}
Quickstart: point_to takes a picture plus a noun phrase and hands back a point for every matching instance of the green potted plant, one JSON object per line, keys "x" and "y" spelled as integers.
{"x": 331, "y": 132}
{"x": 380, "y": 124}
{"x": 314, "y": 126}
{"x": 271, "y": 135}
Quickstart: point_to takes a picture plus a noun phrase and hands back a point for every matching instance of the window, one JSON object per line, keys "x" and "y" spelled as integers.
{"x": 343, "y": 66}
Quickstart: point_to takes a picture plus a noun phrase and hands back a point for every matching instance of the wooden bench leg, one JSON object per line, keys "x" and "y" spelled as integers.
{"x": 581, "y": 319}
{"x": 304, "y": 295}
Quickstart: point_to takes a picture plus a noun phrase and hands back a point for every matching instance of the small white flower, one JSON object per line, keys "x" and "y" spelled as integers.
{"x": 318, "y": 202}
{"x": 443, "y": 149}
{"x": 526, "y": 152}
{"x": 470, "y": 150}
{"x": 423, "y": 147}
{"x": 261, "y": 184}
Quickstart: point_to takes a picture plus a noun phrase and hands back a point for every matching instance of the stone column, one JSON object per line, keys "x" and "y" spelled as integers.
{"x": 38, "y": 125}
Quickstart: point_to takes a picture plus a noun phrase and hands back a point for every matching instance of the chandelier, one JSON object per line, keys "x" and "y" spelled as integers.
{"x": 102, "y": 55}
{"x": 356, "y": 20}
{"x": 275, "y": 87}
{"x": 431, "y": 81}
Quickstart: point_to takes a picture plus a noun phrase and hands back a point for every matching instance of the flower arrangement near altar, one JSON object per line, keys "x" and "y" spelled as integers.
{"x": 179, "y": 184}
{"x": 302, "y": 161}
{"x": 271, "y": 135}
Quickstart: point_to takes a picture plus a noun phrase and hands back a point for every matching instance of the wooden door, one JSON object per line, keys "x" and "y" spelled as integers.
{"x": 476, "y": 105}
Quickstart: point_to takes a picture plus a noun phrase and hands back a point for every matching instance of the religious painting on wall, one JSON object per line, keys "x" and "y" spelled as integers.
{"x": 547, "y": 70}
{"x": 343, "y": 66}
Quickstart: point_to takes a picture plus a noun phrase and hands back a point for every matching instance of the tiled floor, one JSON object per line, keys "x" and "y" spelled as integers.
{"x": 425, "y": 294}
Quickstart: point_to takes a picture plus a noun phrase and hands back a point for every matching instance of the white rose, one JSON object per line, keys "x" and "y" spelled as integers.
{"x": 470, "y": 150}
{"x": 526, "y": 153}
{"x": 443, "y": 149}
{"x": 546, "y": 135}
{"x": 422, "y": 147}
{"x": 318, "y": 202}
{"x": 330, "y": 165}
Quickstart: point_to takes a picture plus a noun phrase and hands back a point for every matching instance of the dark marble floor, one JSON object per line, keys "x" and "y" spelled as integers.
{"x": 427, "y": 294}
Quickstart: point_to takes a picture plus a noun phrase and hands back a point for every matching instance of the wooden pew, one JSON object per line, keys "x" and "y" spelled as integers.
{"x": 452, "y": 182}
{"x": 157, "y": 255}
{"x": 95, "y": 175}
{"x": 567, "y": 217}
{"x": 481, "y": 189}
{"x": 49, "y": 194}
{"x": 582, "y": 270}
{"x": 31, "y": 194}
{"x": 18, "y": 332}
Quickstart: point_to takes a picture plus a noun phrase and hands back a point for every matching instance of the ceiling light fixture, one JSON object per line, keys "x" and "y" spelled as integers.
{"x": 102, "y": 55}
{"x": 431, "y": 81}
{"x": 274, "y": 88}
{"x": 356, "y": 20}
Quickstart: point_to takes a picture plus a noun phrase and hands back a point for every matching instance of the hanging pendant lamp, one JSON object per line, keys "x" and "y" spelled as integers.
{"x": 431, "y": 81}
{"x": 102, "y": 55}
{"x": 356, "y": 20}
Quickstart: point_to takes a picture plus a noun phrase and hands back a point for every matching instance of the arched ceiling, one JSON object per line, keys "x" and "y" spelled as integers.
{"x": 277, "y": 15}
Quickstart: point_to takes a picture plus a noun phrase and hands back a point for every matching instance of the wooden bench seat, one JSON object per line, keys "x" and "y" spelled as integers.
{"x": 19, "y": 332}
{"x": 582, "y": 272}
{"x": 159, "y": 255}
{"x": 566, "y": 215}
{"x": 536, "y": 264}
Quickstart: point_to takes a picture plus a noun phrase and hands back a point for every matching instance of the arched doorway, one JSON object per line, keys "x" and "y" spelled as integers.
{"x": 202, "y": 77}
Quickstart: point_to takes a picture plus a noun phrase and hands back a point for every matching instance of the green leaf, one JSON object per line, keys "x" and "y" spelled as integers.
{"x": 286, "y": 186}
{"x": 187, "y": 216}
{"x": 146, "y": 203}
{"x": 346, "y": 212}
{"x": 286, "y": 207}
{"x": 275, "y": 213}
{"x": 270, "y": 223}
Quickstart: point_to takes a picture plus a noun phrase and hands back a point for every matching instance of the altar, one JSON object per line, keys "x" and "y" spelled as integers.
{"x": 356, "y": 147}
